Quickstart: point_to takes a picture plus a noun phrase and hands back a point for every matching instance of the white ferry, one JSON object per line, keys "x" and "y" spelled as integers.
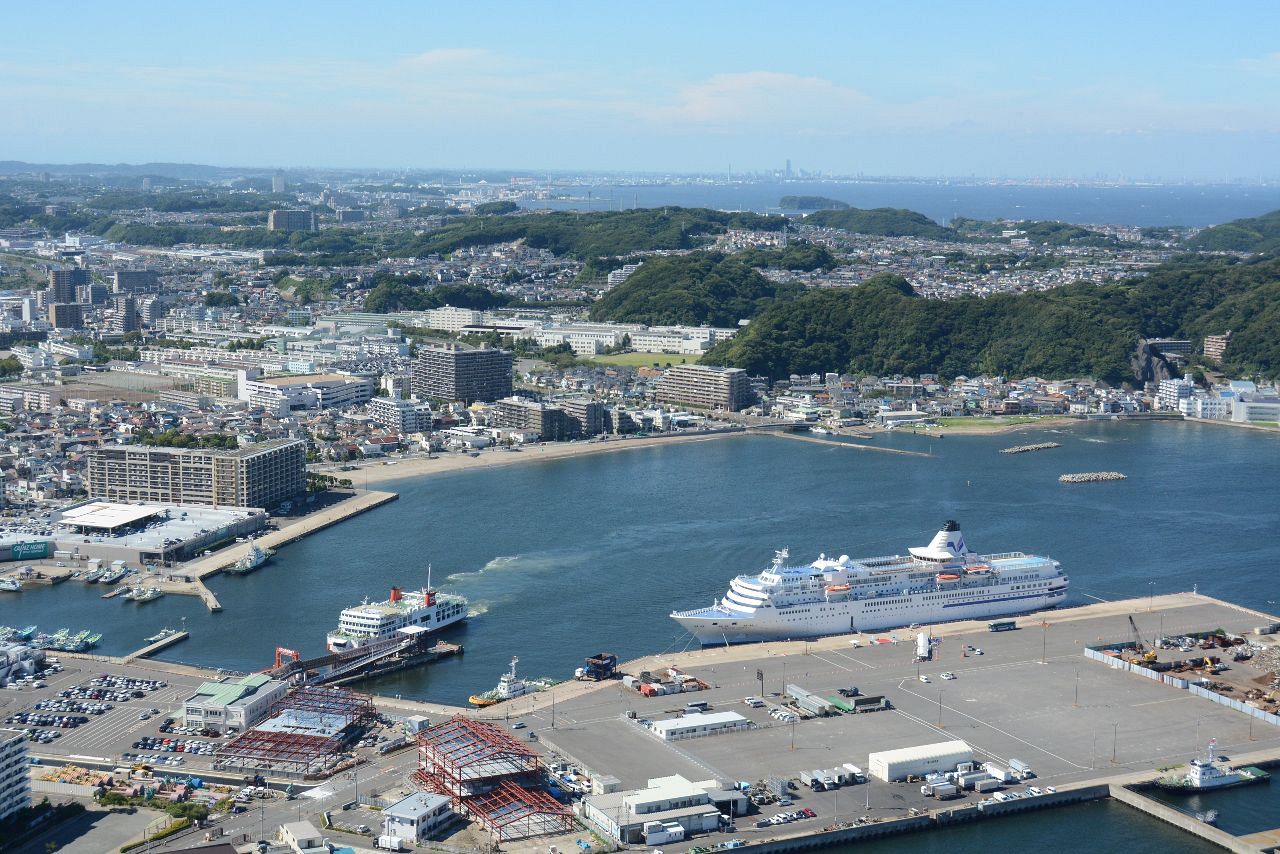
{"x": 940, "y": 582}
{"x": 425, "y": 609}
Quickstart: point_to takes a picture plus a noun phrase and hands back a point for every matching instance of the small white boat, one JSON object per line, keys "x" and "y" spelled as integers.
{"x": 10, "y": 584}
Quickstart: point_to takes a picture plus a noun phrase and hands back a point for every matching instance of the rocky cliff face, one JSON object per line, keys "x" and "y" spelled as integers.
{"x": 1149, "y": 365}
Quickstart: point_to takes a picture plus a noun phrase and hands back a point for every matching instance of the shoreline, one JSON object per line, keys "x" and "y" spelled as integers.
{"x": 383, "y": 472}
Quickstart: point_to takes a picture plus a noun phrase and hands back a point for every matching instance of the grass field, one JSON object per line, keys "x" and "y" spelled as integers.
{"x": 643, "y": 360}
{"x": 986, "y": 421}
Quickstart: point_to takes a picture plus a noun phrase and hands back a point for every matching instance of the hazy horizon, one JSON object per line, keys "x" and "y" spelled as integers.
{"x": 1003, "y": 90}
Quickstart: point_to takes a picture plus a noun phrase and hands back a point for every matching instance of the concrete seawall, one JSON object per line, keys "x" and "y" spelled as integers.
{"x": 1180, "y": 819}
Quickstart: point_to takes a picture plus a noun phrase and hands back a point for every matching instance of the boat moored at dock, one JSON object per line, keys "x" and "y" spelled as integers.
{"x": 509, "y": 687}
{"x": 426, "y": 609}
{"x": 1207, "y": 773}
{"x": 940, "y": 582}
{"x": 252, "y": 559}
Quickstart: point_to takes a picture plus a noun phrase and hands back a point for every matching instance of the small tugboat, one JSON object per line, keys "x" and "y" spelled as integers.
{"x": 509, "y": 687}
{"x": 1203, "y": 775}
{"x": 252, "y": 559}
{"x": 161, "y": 635}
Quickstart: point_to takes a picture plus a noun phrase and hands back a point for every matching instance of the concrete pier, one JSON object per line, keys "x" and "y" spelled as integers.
{"x": 1181, "y": 820}
{"x": 857, "y": 446}
{"x": 153, "y": 648}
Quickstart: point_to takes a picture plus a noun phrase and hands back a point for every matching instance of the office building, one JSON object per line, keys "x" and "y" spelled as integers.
{"x": 289, "y": 220}
{"x": 531, "y": 416}
{"x": 126, "y": 314}
{"x": 260, "y": 475}
{"x": 134, "y": 281}
{"x": 239, "y": 703}
{"x": 706, "y": 387}
{"x": 647, "y": 816}
{"x": 1215, "y": 346}
{"x": 400, "y": 416}
{"x": 63, "y": 284}
{"x": 417, "y": 816}
{"x": 66, "y": 315}
{"x": 277, "y": 182}
{"x": 15, "y": 782}
{"x": 350, "y": 215}
{"x": 92, "y": 294}
{"x": 450, "y": 373}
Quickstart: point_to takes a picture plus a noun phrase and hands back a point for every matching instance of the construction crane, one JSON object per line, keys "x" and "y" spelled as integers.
{"x": 282, "y": 653}
{"x": 1144, "y": 654}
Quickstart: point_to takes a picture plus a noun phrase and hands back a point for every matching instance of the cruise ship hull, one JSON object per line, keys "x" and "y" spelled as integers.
{"x": 821, "y": 619}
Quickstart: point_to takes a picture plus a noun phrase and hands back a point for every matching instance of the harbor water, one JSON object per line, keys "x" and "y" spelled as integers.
{"x": 567, "y": 558}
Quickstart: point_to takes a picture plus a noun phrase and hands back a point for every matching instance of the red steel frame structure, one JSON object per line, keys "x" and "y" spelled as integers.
{"x": 480, "y": 766}
{"x": 298, "y": 752}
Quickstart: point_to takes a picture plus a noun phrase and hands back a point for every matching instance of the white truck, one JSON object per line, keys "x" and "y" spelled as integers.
{"x": 1021, "y": 769}
{"x": 998, "y": 773}
{"x": 390, "y": 843}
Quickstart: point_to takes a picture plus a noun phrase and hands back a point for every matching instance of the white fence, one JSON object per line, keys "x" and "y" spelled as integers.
{"x": 1117, "y": 663}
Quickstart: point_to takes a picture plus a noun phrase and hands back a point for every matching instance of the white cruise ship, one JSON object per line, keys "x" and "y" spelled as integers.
{"x": 940, "y": 582}
{"x": 424, "y": 609}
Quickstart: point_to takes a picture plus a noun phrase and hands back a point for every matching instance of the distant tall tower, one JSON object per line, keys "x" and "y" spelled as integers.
{"x": 277, "y": 182}
{"x": 146, "y": 185}
{"x": 788, "y": 167}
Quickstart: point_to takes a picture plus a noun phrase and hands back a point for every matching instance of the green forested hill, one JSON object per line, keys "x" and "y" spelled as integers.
{"x": 1038, "y": 231}
{"x": 590, "y": 235}
{"x": 1255, "y": 234}
{"x": 886, "y": 222}
{"x": 698, "y": 288}
{"x": 812, "y": 203}
{"x": 1077, "y": 330}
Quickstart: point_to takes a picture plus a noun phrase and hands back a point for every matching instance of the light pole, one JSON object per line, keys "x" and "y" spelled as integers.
{"x": 1151, "y": 593}
{"x": 1076, "y": 702}
{"x": 1115, "y": 736}
{"x": 939, "y": 708}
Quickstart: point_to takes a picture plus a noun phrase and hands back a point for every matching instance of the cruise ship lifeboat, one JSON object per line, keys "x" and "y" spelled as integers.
{"x": 948, "y": 576}
{"x": 978, "y": 568}
{"x": 837, "y": 588}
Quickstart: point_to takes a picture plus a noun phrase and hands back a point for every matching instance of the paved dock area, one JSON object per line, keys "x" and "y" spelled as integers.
{"x": 1031, "y": 695}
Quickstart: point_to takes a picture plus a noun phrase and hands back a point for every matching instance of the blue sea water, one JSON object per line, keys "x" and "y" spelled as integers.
{"x": 1171, "y": 205}
{"x": 566, "y": 558}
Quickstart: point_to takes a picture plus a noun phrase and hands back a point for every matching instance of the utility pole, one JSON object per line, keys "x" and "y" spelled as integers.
{"x": 1076, "y": 702}
{"x": 939, "y": 708}
{"x": 1115, "y": 736}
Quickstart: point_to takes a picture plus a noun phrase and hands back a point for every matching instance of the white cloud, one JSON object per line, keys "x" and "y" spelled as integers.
{"x": 1268, "y": 66}
{"x": 756, "y": 97}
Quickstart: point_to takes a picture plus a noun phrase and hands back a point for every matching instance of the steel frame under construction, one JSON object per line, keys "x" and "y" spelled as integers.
{"x": 328, "y": 711}
{"x": 482, "y": 769}
{"x": 514, "y": 812}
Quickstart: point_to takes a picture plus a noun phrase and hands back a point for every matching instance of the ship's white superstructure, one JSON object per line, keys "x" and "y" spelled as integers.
{"x": 373, "y": 621}
{"x": 940, "y": 582}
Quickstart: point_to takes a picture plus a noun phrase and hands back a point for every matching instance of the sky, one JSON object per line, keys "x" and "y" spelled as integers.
{"x": 1167, "y": 90}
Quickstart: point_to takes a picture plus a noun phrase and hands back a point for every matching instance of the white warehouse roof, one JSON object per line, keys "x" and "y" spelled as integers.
{"x": 691, "y": 721}
{"x": 924, "y": 752}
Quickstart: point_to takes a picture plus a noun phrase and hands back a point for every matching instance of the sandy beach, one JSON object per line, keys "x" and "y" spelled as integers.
{"x": 384, "y": 471}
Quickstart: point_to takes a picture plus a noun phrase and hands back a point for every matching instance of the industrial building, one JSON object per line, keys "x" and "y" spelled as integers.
{"x": 450, "y": 373}
{"x": 237, "y": 704}
{"x": 15, "y": 784}
{"x": 282, "y": 395}
{"x": 489, "y": 775}
{"x": 893, "y": 765}
{"x": 698, "y": 725}
{"x": 148, "y": 533}
{"x": 706, "y": 387}
{"x": 646, "y": 816}
{"x": 260, "y": 475}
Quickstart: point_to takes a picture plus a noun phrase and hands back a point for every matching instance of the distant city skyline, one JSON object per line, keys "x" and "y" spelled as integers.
{"x": 1001, "y": 90}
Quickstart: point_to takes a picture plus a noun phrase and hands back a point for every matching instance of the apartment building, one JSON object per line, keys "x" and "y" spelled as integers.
{"x": 1215, "y": 346}
{"x": 135, "y": 281}
{"x": 66, "y": 315}
{"x": 401, "y": 416}
{"x": 64, "y": 283}
{"x": 586, "y": 416}
{"x": 451, "y": 373}
{"x": 260, "y": 475}
{"x": 549, "y": 422}
{"x": 706, "y": 387}
{"x": 291, "y": 220}
{"x": 15, "y": 781}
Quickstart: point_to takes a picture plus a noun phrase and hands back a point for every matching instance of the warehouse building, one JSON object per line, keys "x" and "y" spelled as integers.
{"x": 698, "y": 725}
{"x": 893, "y": 765}
{"x": 647, "y": 816}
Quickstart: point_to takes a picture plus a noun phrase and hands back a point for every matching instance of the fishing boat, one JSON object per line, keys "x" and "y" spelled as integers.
{"x": 92, "y": 640}
{"x": 93, "y": 576}
{"x": 10, "y": 584}
{"x": 1204, "y": 774}
{"x": 252, "y": 559}
{"x": 27, "y": 633}
{"x": 144, "y": 594}
{"x": 117, "y": 572}
{"x": 509, "y": 687}
{"x": 161, "y": 635}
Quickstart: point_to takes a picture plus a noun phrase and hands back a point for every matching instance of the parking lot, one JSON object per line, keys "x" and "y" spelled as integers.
{"x": 1030, "y": 695}
{"x": 114, "y": 716}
